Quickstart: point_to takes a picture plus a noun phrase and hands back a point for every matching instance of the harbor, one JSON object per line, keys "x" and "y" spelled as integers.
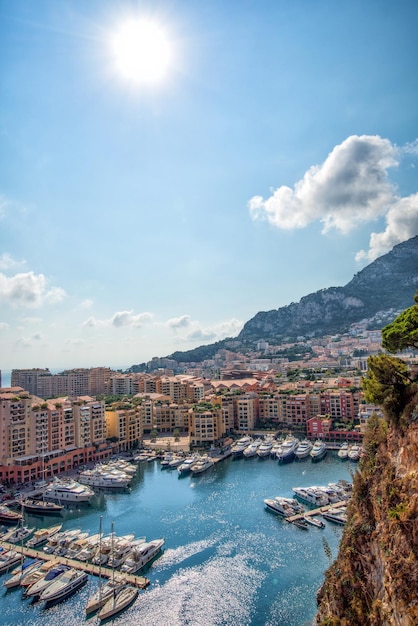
{"x": 213, "y": 524}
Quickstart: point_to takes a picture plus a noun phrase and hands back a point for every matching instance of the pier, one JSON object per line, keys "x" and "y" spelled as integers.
{"x": 312, "y": 512}
{"x": 96, "y": 570}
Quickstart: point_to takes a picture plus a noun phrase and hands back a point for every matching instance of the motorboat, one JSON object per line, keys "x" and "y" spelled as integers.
{"x": 276, "y": 447}
{"x": 237, "y": 449}
{"x": 186, "y": 465}
{"x": 108, "y": 545}
{"x": 311, "y": 496}
{"x": 288, "y": 449}
{"x": 118, "y": 602}
{"x": 41, "y": 507}
{"x": 202, "y": 464}
{"x": 29, "y": 578}
{"x": 9, "y": 558}
{"x": 354, "y": 453}
{"x": 338, "y": 516}
{"x": 39, "y": 586}
{"x": 303, "y": 449}
{"x": 140, "y": 556}
{"x": 175, "y": 462}
{"x": 42, "y": 535}
{"x": 64, "y": 586}
{"x": 7, "y": 516}
{"x": 286, "y": 507}
{"x": 251, "y": 450}
{"x": 68, "y": 490}
{"x": 104, "y": 593}
{"x": 300, "y": 523}
{"x": 313, "y": 521}
{"x": 27, "y": 566}
{"x": 60, "y": 538}
{"x": 76, "y": 546}
{"x": 343, "y": 452}
{"x": 18, "y": 534}
{"x": 89, "y": 549}
{"x": 120, "y": 552}
{"x": 122, "y": 465}
{"x": 319, "y": 451}
{"x": 264, "y": 448}
{"x": 103, "y": 479}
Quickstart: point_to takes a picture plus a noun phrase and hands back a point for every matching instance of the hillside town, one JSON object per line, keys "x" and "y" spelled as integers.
{"x": 53, "y": 423}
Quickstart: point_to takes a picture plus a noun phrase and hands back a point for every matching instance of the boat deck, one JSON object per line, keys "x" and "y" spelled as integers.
{"x": 106, "y": 572}
{"x": 312, "y": 512}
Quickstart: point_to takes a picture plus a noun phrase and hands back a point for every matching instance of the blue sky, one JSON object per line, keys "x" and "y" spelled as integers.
{"x": 275, "y": 156}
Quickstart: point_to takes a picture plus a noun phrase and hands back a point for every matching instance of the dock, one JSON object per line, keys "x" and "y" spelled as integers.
{"x": 96, "y": 570}
{"x": 312, "y": 512}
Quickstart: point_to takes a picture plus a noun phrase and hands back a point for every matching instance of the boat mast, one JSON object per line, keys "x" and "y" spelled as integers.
{"x": 100, "y": 559}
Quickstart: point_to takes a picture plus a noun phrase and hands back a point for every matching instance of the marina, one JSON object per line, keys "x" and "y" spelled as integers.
{"x": 213, "y": 524}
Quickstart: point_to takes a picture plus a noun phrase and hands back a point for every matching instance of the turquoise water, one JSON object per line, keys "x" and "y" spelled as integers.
{"x": 227, "y": 559}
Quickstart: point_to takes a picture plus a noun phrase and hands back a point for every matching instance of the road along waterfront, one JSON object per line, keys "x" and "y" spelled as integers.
{"x": 226, "y": 561}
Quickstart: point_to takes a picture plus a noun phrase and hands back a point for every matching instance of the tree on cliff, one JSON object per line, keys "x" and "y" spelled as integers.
{"x": 388, "y": 381}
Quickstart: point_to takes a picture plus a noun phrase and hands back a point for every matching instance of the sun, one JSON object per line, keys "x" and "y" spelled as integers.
{"x": 142, "y": 51}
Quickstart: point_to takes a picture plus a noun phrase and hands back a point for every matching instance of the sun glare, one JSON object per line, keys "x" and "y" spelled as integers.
{"x": 142, "y": 51}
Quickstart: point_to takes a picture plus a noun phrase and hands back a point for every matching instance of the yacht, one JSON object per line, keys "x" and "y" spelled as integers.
{"x": 175, "y": 462}
{"x": 343, "y": 452}
{"x": 9, "y": 558}
{"x": 237, "y": 449}
{"x": 18, "y": 534}
{"x": 64, "y": 586}
{"x": 287, "y": 452}
{"x": 186, "y": 466}
{"x": 101, "y": 478}
{"x": 201, "y": 465}
{"x": 354, "y": 453}
{"x": 42, "y": 535}
{"x": 319, "y": 451}
{"x": 18, "y": 574}
{"x": 303, "y": 449}
{"x": 140, "y": 556}
{"x": 276, "y": 448}
{"x": 108, "y": 545}
{"x": 286, "y": 507}
{"x": 311, "y": 496}
{"x": 121, "y": 550}
{"x": 41, "y": 507}
{"x": 103, "y": 594}
{"x": 251, "y": 450}
{"x": 313, "y": 521}
{"x": 118, "y": 602}
{"x": 7, "y": 516}
{"x": 88, "y": 551}
{"x": 264, "y": 449}
{"x": 39, "y": 586}
{"x": 29, "y": 578}
{"x": 338, "y": 516}
{"x": 68, "y": 490}
{"x": 60, "y": 538}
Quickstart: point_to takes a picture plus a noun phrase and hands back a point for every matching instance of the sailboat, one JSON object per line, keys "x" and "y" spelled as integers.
{"x": 42, "y": 506}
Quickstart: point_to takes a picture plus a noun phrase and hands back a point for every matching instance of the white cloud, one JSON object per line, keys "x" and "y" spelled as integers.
{"x": 4, "y": 326}
{"x": 86, "y": 304}
{"x": 28, "y": 289}
{"x": 350, "y": 188}
{"x": 401, "y": 224}
{"x": 7, "y": 262}
{"x": 188, "y": 330}
{"x": 119, "y": 319}
{"x": 179, "y": 322}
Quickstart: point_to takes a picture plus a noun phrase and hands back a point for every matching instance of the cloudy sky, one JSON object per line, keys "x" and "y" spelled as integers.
{"x": 170, "y": 168}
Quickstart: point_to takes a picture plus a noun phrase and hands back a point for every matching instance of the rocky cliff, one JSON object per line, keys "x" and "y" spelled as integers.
{"x": 374, "y": 581}
{"x": 385, "y": 285}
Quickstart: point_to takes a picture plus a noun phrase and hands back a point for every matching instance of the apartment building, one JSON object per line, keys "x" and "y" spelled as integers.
{"x": 28, "y": 379}
{"x": 75, "y": 382}
{"x": 125, "y": 427}
{"x": 247, "y": 411}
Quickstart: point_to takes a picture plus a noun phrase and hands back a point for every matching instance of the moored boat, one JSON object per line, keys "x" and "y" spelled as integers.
{"x": 7, "y": 516}
{"x": 8, "y": 559}
{"x": 287, "y": 452}
{"x": 42, "y": 535}
{"x": 354, "y": 453}
{"x": 311, "y": 496}
{"x": 103, "y": 594}
{"x": 41, "y": 507}
{"x": 27, "y": 566}
{"x": 43, "y": 583}
{"x": 286, "y": 507}
{"x": 119, "y": 601}
{"x": 343, "y": 452}
{"x": 313, "y": 521}
{"x": 64, "y": 586}
{"x": 142, "y": 555}
{"x": 319, "y": 451}
{"x": 202, "y": 464}
{"x": 68, "y": 491}
{"x": 303, "y": 449}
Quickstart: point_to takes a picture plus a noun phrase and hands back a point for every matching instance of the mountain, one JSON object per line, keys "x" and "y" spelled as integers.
{"x": 387, "y": 285}
{"x": 379, "y": 291}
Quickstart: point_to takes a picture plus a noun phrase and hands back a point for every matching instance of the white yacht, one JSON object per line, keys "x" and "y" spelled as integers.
{"x": 343, "y": 452}
{"x": 202, "y": 464}
{"x": 140, "y": 556}
{"x": 64, "y": 586}
{"x": 354, "y": 452}
{"x": 237, "y": 449}
{"x": 106, "y": 479}
{"x": 264, "y": 449}
{"x": 68, "y": 490}
{"x": 303, "y": 449}
{"x": 338, "y": 516}
{"x": 186, "y": 466}
{"x": 42, "y": 535}
{"x": 287, "y": 452}
{"x": 286, "y": 507}
{"x": 311, "y": 496}
{"x": 319, "y": 451}
{"x": 251, "y": 450}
